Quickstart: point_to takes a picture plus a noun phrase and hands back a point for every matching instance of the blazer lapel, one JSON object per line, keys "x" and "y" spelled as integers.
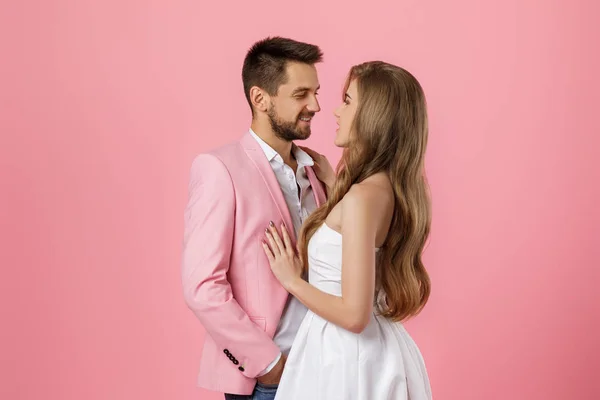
{"x": 317, "y": 186}
{"x": 256, "y": 154}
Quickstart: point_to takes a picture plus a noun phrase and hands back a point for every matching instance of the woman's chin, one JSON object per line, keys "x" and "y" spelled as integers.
{"x": 340, "y": 143}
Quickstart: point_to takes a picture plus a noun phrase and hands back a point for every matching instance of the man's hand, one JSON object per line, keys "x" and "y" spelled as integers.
{"x": 273, "y": 376}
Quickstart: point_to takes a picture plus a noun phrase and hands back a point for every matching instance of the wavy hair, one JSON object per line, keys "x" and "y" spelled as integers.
{"x": 389, "y": 133}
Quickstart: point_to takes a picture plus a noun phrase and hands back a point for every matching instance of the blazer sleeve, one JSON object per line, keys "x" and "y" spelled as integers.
{"x": 209, "y": 228}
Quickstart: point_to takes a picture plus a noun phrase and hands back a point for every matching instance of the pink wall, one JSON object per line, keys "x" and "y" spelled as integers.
{"x": 104, "y": 104}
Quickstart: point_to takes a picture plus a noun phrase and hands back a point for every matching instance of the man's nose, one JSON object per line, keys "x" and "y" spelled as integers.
{"x": 313, "y": 105}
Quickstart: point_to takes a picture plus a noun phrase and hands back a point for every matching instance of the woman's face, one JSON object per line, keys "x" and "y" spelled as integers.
{"x": 345, "y": 115}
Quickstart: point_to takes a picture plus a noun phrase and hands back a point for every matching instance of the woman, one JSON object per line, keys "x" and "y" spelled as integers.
{"x": 362, "y": 250}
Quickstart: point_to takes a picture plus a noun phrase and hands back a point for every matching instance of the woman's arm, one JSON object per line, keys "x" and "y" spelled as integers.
{"x": 351, "y": 311}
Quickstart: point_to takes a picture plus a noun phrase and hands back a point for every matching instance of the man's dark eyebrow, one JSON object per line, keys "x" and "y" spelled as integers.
{"x": 304, "y": 89}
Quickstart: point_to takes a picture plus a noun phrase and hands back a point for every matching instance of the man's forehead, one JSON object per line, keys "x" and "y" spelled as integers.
{"x": 302, "y": 74}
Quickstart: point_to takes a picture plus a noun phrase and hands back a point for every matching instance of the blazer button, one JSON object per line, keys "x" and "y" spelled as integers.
{"x": 241, "y": 368}
{"x": 226, "y": 351}
{"x": 235, "y": 362}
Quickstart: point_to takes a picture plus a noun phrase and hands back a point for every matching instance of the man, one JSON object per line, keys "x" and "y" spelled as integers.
{"x": 234, "y": 193}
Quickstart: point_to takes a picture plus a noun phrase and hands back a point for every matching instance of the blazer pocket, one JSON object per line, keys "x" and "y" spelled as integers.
{"x": 260, "y": 321}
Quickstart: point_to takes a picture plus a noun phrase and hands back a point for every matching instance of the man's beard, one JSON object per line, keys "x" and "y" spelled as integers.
{"x": 288, "y": 131}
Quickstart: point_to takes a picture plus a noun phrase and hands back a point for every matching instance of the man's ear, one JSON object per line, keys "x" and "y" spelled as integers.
{"x": 259, "y": 98}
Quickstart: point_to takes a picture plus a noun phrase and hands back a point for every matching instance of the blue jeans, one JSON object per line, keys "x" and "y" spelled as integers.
{"x": 261, "y": 392}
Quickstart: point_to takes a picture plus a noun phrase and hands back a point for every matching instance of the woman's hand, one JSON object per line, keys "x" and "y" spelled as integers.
{"x": 285, "y": 264}
{"x": 322, "y": 168}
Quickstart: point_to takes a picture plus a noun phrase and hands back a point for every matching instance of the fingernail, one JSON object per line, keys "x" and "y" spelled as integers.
{"x": 271, "y": 223}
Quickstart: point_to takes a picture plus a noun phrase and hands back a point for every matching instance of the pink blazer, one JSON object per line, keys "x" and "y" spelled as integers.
{"x": 227, "y": 280}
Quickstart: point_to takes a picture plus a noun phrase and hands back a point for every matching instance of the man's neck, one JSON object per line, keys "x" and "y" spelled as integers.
{"x": 282, "y": 147}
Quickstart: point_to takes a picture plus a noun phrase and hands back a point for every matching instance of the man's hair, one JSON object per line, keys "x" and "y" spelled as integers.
{"x": 266, "y": 61}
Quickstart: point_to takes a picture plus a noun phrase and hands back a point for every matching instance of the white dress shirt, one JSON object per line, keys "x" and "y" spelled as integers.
{"x": 301, "y": 202}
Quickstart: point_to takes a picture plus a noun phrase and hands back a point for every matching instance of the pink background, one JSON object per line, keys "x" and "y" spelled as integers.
{"x": 104, "y": 104}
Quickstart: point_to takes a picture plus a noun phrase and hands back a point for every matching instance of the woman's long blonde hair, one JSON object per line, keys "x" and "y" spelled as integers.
{"x": 389, "y": 133}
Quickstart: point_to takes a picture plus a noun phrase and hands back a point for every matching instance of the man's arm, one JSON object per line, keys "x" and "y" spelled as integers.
{"x": 208, "y": 238}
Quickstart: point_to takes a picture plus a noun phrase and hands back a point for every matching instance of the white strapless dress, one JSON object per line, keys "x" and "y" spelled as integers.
{"x": 327, "y": 362}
